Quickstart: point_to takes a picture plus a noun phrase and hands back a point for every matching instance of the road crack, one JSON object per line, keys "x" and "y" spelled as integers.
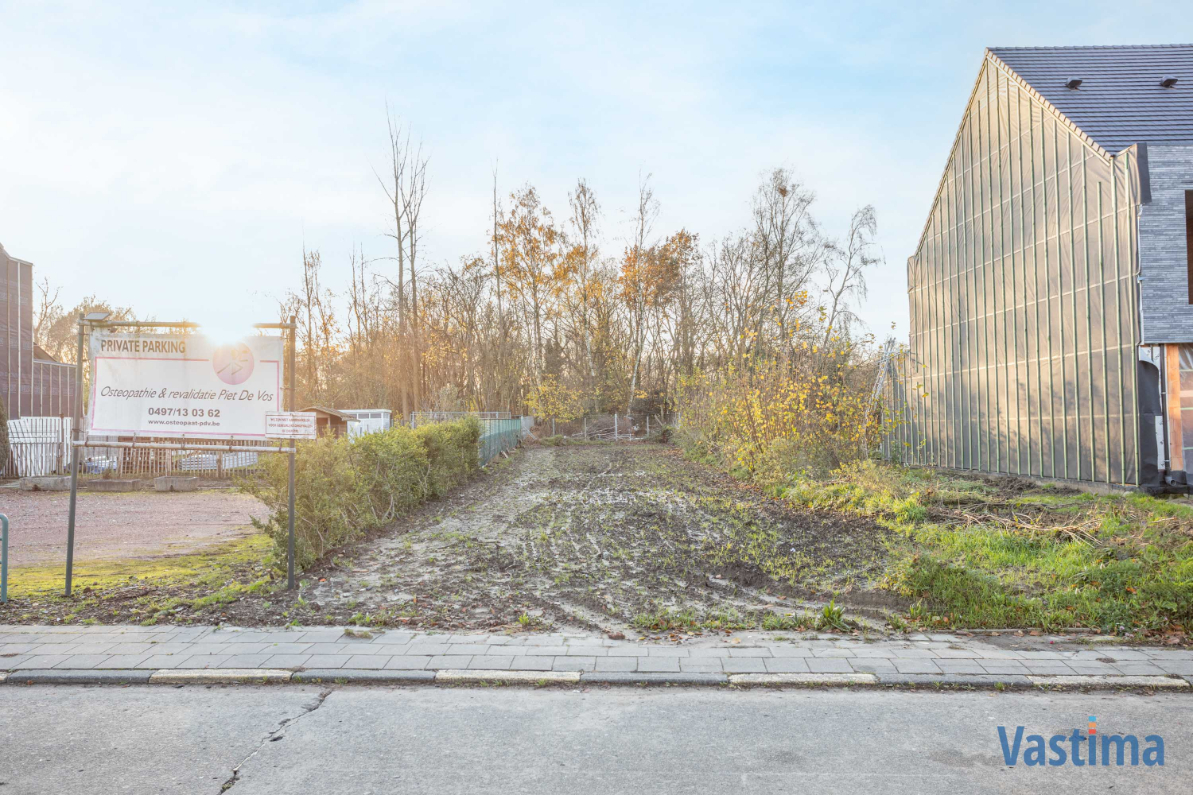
{"x": 278, "y": 733}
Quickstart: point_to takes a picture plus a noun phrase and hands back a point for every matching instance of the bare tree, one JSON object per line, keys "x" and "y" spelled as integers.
{"x": 845, "y": 272}
{"x": 790, "y": 247}
{"x": 635, "y": 275}
{"x": 405, "y": 187}
{"x": 47, "y": 311}
{"x": 585, "y": 212}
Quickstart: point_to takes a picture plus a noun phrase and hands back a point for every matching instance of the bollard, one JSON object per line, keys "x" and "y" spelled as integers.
{"x": 3, "y": 559}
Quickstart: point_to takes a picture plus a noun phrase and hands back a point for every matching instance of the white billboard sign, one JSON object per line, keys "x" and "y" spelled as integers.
{"x": 183, "y": 385}
{"x": 291, "y": 425}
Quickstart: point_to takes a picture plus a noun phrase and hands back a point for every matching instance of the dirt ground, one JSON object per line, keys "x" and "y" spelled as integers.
{"x": 627, "y": 537}
{"x": 123, "y": 525}
{"x": 602, "y": 537}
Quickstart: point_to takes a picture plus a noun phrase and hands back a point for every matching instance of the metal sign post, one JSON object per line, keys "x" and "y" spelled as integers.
{"x": 3, "y": 559}
{"x": 74, "y": 460}
{"x": 293, "y": 451}
{"x": 292, "y": 327}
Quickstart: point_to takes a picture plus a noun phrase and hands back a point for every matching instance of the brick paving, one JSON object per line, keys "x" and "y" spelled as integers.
{"x": 106, "y": 648}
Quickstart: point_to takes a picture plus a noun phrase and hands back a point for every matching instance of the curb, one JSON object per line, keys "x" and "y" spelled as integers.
{"x": 230, "y": 676}
{"x": 220, "y": 676}
{"x": 511, "y": 677}
{"x": 952, "y": 680}
{"x": 47, "y": 676}
{"x": 1167, "y": 682}
{"x": 787, "y": 680}
{"x": 618, "y": 678}
{"x": 361, "y": 675}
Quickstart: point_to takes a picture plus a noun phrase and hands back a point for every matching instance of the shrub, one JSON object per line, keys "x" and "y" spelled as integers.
{"x": 395, "y": 466}
{"x": 344, "y": 488}
{"x": 451, "y": 449}
{"x": 775, "y": 419}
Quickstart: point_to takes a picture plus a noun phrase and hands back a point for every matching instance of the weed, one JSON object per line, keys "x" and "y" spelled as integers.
{"x": 832, "y": 617}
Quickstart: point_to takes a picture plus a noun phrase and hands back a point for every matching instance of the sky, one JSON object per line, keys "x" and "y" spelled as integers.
{"x": 177, "y": 157}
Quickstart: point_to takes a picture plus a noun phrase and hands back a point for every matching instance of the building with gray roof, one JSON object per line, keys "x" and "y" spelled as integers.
{"x": 1051, "y": 291}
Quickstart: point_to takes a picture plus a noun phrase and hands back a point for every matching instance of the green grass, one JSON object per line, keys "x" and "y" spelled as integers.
{"x": 969, "y": 556}
{"x": 209, "y": 566}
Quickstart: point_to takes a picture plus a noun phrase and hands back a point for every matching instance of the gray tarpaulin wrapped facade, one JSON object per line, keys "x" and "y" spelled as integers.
{"x": 1024, "y": 354}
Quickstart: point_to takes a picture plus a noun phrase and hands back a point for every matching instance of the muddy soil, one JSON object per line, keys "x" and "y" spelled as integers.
{"x": 602, "y": 538}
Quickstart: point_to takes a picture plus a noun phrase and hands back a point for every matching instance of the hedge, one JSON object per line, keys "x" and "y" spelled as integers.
{"x": 344, "y": 488}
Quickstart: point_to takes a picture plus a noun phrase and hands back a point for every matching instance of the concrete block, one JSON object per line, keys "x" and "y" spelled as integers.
{"x": 47, "y": 483}
{"x": 175, "y": 483}
{"x": 104, "y": 484}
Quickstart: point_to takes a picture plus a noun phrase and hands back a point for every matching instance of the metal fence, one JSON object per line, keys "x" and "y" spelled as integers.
{"x": 606, "y": 427}
{"x": 98, "y": 460}
{"x": 423, "y": 417}
{"x": 499, "y": 436}
{"x": 500, "y": 432}
{"x": 38, "y": 446}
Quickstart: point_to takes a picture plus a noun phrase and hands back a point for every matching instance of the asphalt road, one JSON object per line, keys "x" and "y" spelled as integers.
{"x": 439, "y": 740}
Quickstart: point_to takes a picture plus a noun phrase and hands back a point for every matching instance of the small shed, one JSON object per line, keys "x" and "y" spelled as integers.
{"x": 331, "y": 421}
{"x": 370, "y": 420}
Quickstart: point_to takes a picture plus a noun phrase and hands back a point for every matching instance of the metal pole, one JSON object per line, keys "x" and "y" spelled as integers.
{"x": 615, "y": 428}
{"x": 74, "y": 461}
{"x": 3, "y": 559}
{"x": 293, "y": 447}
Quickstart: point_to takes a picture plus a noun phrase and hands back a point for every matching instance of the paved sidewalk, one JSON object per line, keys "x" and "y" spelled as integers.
{"x": 758, "y": 658}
